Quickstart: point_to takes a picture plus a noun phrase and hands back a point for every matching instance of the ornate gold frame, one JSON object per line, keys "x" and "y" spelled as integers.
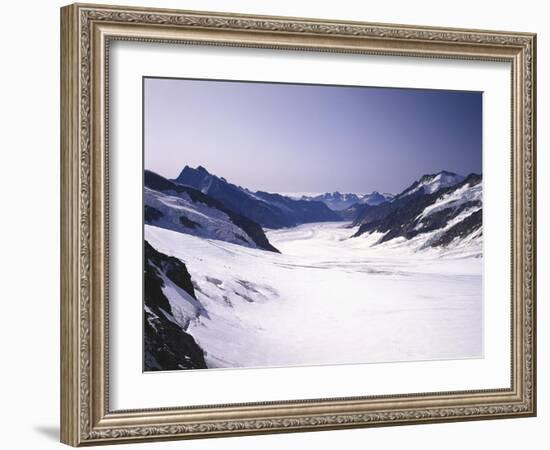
{"x": 86, "y": 31}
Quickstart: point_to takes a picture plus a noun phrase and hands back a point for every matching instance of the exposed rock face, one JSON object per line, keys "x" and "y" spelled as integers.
{"x": 453, "y": 211}
{"x": 151, "y": 214}
{"x": 461, "y": 230}
{"x": 166, "y": 344}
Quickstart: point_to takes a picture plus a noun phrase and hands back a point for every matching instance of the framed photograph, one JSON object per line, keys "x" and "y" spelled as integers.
{"x": 274, "y": 224}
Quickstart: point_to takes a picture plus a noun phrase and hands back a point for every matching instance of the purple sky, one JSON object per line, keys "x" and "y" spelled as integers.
{"x": 310, "y": 138}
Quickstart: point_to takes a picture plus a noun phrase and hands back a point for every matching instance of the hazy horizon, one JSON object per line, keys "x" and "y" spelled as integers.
{"x": 295, "y": 138}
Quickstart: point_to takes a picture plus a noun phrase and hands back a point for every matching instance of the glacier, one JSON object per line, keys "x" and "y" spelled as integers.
{"x": 328, "y": 298}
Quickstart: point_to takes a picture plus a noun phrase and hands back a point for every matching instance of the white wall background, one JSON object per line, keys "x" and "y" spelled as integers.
{"x": 29, "y": 226}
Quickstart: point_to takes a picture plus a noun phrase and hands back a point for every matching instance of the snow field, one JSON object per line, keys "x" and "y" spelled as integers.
{"x": 328, "y": 298}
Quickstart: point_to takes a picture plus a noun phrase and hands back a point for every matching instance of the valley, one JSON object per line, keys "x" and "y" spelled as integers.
{"x": 326, "y": 299}
{"x": 236, "y": 278}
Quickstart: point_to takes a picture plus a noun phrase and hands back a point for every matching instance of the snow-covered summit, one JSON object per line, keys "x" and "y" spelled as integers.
{"x": 433, "y": 182}
{"x": 444, "y": 216}
{"x": 338, "y": 201}
{"x": 375, "y": 198}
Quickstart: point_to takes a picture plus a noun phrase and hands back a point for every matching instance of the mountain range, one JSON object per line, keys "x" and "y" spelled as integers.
{"x": 441, "y": 210}
{"x": 266, "y": 209}
{"x": 341, "y": 201}
{"x": 440, "y": 207}
{"x": 187, "y": 210}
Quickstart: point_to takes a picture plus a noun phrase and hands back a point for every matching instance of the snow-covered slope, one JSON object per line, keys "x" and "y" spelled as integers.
{"x": 180, "y": 213}
{"x": 431, "y": 183}
{"x": 375, "y": 198}
{"x": 327, "y": 299}
{"x": 267, "y": 209}
{"x": 462, "y": 209}
{"x": 186, "y": 210}
{"x": 444, "y": 217}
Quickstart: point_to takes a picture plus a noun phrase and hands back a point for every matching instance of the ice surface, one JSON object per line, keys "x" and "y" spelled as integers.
{"x": 328, "y": 298}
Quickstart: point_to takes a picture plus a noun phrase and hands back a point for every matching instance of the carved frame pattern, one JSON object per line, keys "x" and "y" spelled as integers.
{"x": 86, "y": 418}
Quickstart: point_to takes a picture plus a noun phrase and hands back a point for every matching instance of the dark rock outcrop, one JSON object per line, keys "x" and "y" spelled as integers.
{"x": 460, "y": 230}
{"x": 151, "y": 214}
{"x": 166, "y": 345}
{"x": 186, "y": 222}
{"x": 401, "y": 217}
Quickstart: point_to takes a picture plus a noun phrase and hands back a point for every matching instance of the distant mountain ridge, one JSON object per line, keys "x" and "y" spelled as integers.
{"x": 340, "y": 201}
{"x": 428, "y": 183}
{"x": 268, "y": 210}
{"x": 442, "y": 207}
